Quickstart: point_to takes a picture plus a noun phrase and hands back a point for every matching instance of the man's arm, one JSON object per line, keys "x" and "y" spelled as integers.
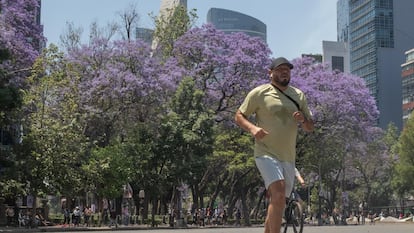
{"x": 299, "y": 177}
{"x": 245, "y": 124}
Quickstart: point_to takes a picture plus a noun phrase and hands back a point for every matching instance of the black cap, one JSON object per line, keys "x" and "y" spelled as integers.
{"x": 280, "y": 61}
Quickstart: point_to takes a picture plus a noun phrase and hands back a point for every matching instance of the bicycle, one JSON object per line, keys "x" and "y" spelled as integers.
{"x": 293, "y": 214}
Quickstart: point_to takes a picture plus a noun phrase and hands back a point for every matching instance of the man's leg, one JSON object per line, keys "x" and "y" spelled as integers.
{"x": 276, "y": 207}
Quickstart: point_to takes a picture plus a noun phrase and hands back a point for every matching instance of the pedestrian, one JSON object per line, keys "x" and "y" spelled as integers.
{"x": 87, "y": 213}
{"x": 125, "y": 215}
{"x": 10, "y": 215}
{"x": 278, "y": 108}
{"x": 224, "y": 217}
{"x": 238, "y": 217}
{"x": 66, "y": 217}
{"x": 76, "y": 216}
{"x": 112, "y": 218}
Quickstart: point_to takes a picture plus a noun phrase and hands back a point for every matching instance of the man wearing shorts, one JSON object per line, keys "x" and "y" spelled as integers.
{"x": 278, "y": 108}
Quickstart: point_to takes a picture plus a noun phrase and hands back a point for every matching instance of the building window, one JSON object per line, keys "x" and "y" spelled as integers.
{"x": 338, "y": 63}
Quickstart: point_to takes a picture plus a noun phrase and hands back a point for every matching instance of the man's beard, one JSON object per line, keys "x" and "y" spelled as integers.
{"x": 283, "y": 83}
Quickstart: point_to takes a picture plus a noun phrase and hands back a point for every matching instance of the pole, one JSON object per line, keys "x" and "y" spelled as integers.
{"x": 309, "y": 201}
{"x": 319, "y": 199}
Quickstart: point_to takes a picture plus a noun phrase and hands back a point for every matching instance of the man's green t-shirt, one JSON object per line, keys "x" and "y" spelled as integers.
{"x": 274, "y": 113}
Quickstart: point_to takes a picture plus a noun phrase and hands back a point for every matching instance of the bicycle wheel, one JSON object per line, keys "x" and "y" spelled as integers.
{"x": 294, "y": 217}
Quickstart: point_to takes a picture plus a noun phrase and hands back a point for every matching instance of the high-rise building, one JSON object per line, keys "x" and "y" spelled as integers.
{"x": 378, "y": 33}
{"x": 168, "y": 5}
{"x": 166, "y": 9}
{"x": 231, "y": 21}
{"x": 407, "y": 76}
{"x": 41, "y": 44}
{"x": 342, "y": 22}
{"x": 145, "y": 34}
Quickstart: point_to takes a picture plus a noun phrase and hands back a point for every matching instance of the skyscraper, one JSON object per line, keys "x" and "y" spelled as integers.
{"x": 166, "y": 9}
{"x": 379, "y": 32}
{"x": 232, "y": 21}
{"x": 144, "y": 34}
{"x": 407, "y": 76}
{"x": 342, "y": 22}
{"x": 336, "y": 53}
{"x": 168, "y": 5}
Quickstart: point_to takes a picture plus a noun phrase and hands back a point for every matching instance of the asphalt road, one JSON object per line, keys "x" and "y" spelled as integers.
{"x": 377, "y": 228}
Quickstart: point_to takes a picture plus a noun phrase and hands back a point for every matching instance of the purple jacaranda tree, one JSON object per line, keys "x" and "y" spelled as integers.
{"x": 336, "y": 98}
{"x": 20, "y": 41}
{"x": 345, "y": 116}
{"x": 119, "y": 85}
{"x": 21, "y": 36}
{"x": 342, "y": 107}
{"x": 224, "y": 66}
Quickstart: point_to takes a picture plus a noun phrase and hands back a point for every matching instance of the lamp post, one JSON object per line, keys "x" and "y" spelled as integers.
{"x": 309, "y": 200}
{"x": 141, "y": 196}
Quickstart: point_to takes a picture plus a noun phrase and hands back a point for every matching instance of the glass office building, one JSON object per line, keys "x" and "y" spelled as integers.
{"x": 379, "y": 32}
{"x": 407, "y": 76}
{"x": 145, "y": 34}
{"x": 232, "y": 21}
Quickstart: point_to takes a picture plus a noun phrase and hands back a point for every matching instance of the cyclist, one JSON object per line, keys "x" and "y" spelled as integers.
{"x": 302, "y": 184}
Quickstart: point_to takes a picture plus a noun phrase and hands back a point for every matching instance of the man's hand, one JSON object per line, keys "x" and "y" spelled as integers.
{"x": 258, "y": 132}
{"x": 307, "y": 124}
{"x": 299, "y": 117}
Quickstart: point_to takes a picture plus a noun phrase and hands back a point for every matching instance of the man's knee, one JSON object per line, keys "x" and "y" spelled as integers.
{"x": 277, "y": 192}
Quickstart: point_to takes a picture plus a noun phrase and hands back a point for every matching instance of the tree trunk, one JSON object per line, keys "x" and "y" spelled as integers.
{"x": 217, "y": 190}
{"x": 245, "y": 209}
{"x": 154, "y": 210}
{"x": 257, "y": 209}
{"x": 194, "y": 191}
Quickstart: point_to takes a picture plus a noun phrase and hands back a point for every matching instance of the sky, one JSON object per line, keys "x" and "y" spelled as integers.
{"x": 294, "y": 27}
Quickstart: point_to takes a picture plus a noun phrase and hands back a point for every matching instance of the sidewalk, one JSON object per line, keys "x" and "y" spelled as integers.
{"x": 79, "y": 228}
{"x": 62, "y": 228}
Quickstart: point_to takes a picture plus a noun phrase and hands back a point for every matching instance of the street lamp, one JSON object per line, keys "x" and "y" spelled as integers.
{"x": 141, "y": 196}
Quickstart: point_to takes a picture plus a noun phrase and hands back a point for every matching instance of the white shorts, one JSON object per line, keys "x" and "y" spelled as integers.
{"x": 273, "y": 170}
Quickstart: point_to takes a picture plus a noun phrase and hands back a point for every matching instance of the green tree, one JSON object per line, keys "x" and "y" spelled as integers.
{"x": 53, "y": 147}
{"x": 108, "y": 169}
{"x": 171, "y": 26}
{"x": 186, "y": 137}
{"x": 233, "y": 174}
{"x": 402, "y": 180}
